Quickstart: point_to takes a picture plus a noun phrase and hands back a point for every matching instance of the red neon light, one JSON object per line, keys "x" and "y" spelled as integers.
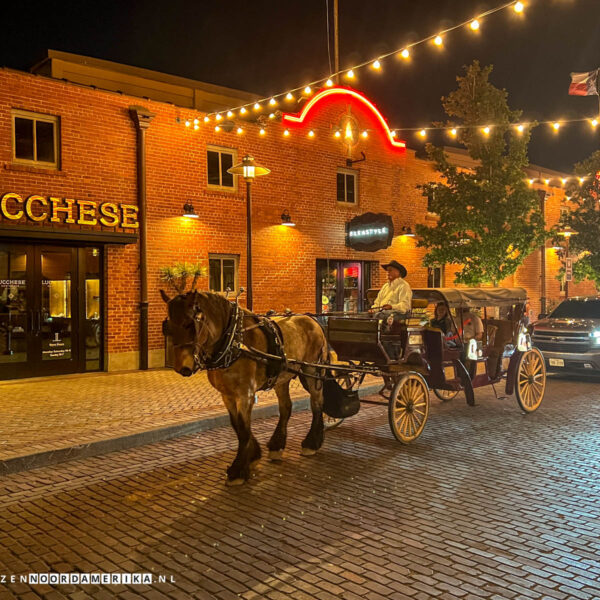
{"x": 344, "y": 92}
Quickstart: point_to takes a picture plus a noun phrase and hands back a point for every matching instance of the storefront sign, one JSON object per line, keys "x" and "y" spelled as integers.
{"x": 65, "y": 210}
{"x": 370, "y": 232}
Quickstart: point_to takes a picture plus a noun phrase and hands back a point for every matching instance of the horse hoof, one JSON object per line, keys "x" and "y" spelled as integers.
{"x": 308, "y": 452}
{"x": 276, "y": 455}
{"x": 232, "y": 482}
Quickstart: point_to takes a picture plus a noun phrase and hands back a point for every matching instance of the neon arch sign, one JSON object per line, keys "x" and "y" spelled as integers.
{"x": 345, "y": 92}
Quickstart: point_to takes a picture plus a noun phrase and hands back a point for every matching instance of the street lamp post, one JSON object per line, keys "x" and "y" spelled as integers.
{"x": 248, "y": 169}
{"x": 567, "y": 232}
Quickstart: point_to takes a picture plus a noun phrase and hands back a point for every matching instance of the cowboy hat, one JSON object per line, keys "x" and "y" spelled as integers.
{"x": 396, "y": 265}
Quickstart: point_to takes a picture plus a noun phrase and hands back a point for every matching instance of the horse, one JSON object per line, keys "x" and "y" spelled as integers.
{"x": 203, "y": 326}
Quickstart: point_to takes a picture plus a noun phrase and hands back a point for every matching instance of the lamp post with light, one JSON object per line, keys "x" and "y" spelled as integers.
{"x": 248, "y": 169}
{"x": 567, "y": 232}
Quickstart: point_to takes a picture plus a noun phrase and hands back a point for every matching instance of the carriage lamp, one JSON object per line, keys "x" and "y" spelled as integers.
{"x": 249, "y": 170}
{"x": 286, "y": 219}
{"x": 407, "y": 231}
{"x": 188, "y": 211}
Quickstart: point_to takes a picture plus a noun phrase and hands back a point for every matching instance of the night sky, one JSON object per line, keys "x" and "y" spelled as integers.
{"x": 268, "y": 47}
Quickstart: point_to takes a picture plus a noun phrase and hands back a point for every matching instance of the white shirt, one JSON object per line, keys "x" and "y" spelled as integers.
{"x": 397, "y": 293}
{"x": 472, "y": 326}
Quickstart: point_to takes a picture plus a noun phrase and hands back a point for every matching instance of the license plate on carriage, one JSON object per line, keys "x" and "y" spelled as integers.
{"x": 556, "y": 362}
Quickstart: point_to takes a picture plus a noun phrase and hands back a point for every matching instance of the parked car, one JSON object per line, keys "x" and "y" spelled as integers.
{"x": 569, "y": 337}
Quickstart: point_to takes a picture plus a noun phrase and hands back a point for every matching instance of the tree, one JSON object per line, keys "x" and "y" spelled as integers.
{"x": 489, "y": 219}
{"x": 584, "y": 219}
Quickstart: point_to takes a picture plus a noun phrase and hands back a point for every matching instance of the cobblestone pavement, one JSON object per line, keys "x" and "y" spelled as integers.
{"x": 488, "y": 503}
{"x": 51, "y": 413}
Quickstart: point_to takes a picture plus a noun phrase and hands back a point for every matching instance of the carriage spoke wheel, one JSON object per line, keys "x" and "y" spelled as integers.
{"x": 531, "y": 380}
{"x": 408, "y": 408}
{"x": 445, "y": 395}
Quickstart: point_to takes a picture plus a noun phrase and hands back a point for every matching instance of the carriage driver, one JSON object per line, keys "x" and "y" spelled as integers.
{"x": 396, "y": 294}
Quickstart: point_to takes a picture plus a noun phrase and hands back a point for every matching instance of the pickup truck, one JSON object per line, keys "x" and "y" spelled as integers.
{"x": 569, "y": 337}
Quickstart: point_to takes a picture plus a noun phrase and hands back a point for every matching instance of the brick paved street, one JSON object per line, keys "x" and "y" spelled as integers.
{"x": 488, "y": 503}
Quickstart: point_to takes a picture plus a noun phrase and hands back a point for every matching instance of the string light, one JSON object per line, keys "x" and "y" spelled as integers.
{"x": 393, "y": 134}
{"x": 473, "y": 23}
{"x": 563, "y": 180}
{"x": 257, "y": 106}
{"x": 286, "y": 133}
{"x": 196, "y": 127}
{"x": 206, "y": 119}
{"x": 311, "y": 134}
{"x": 365, "y": 134}
{"x": 196, "y": 121}
{"x": 531, "y": 181}
{"x": 230, "y": 113}
{"x": 271, "y": 115}
{"x": 218, "y": 117}
{"x": 520, "y": 128}
{"x": 594, "y": 122}
{"x": 486, "y": 130}
{"x": 262, "y": 132}
{"x": 240, "y": 130}
{"x": 329, "y": 83}
{"x": 338, "y": 133}
{"x": 187, "y": 123}
{"x": 581, "y": 180}
{"x": 556, "y": 126}
{"x": 243, "y": 111}
{"x": 272, "y": 102}
{"x": 453, "y": 132}
{"x": 217, "y": 128}
{"x": 423, "y": 133}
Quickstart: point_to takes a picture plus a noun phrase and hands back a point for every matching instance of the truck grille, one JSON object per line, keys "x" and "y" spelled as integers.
{"x": 563, "y": 341}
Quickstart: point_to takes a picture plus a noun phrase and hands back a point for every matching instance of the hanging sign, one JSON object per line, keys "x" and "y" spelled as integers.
{"x": 370, "y": 232}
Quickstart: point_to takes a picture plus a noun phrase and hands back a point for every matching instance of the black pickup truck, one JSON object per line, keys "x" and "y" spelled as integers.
{"x": 569, "y": 337}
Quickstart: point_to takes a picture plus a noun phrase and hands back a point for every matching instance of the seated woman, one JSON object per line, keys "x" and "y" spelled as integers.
{"x": 442, "y": 320}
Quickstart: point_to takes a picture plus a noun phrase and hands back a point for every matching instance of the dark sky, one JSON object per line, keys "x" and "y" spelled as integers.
{"x": 267, "y": 47}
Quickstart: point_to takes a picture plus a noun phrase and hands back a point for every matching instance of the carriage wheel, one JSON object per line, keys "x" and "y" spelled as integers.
{"x": 445, "y": 395}
{"x": 531, "y": 380}
{"x": 331, "y": 422}
{"x": 408, "y": 408}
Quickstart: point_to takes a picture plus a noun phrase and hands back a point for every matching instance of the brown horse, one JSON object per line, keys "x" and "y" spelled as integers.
{"x": 200, "y": 323}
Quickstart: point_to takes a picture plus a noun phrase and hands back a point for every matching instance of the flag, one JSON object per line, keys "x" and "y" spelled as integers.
{"x": 584, "y": 84}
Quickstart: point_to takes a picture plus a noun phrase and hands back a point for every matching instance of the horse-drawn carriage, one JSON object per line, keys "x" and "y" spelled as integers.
{"x": 245, "y": 353}
{"x": 413, "y": 357}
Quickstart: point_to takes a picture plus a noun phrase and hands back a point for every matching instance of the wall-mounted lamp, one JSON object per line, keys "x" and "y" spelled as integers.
{"x": 286, "y": 219}
{"x": 407, "y": 231}
{"x": 188, "y": 211}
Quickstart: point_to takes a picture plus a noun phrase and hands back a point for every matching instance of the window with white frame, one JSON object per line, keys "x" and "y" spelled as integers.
{"x": 35, "y": 139}
{"x": 218, "y": 161}
{"x": 223, "y": 272}
{"x": 347, "y": 186}
{"x": 435, "y": 276}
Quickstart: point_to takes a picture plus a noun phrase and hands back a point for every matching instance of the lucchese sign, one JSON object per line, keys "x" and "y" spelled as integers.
{"x": 65, "y": 210}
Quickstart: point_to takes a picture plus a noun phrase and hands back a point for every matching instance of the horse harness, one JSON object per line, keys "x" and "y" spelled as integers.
{"x": 232, "y": 347}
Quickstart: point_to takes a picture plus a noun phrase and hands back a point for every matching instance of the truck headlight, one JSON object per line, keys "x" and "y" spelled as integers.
{"x": 595, "y": 335}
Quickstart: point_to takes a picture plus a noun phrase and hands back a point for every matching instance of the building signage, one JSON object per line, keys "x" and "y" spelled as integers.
{"x": 370, "y": 232}
{"x": 14, "y": 207}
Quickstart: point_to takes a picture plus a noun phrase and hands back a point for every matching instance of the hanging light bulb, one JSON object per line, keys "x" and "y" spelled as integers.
{"x": 307, "y": 90}
{"x": 257, "y": 106}
{"x": 289, "y": 96}
{"x": 272, "y": 102}
{"x": 229, "y": 114}
{"x": 271, "y": 115}
{"x": 243, "y": 111}
{"x": 286, "y": 133}
{"x": 405, "y": 53}
{"x": 556, "y": 126}
{"x": 520, "y": 128}
{"x": 486, "y": 130}
{"x": 338, "y": 133}
{"x": 350, "y": 74}
{"x": 453, "y": 132}
{"x": 329, "y": 83}
{"x": 376, "y": 65}
{"x": 423, "y": 133}
{"x": 474, "y": 25}
{"x": 393, "y": 134}
{"x": 196, "y": 127}
{"x": 187, "y": 123}
{"x": 546, "y": 181}
{"x": 581, "y": 180}
{"x": 594, "y": 122}
{"x": 218, "y": 117}
{"x": 206, "y": 119}
{"x": 563, "y": 180}
{"x": 262, "y": 132}
{"x": 365, "y": 134}
{"x": 196, "y": 121}
{"x": 531, "y": 181}
{"x": 311, "y": 134}
{"x": 519, "y": 6}
{"x": 438, "y": 40}
{"x": 240, "y": 130}
{"x": 217, "y": 128}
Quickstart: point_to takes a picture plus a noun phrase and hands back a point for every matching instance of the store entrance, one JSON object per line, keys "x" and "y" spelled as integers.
{"x": 342, "y": 285}
{"x": 50, "y": 310}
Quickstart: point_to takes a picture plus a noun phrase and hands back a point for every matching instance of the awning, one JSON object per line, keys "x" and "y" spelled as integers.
{"x": 50, "y": 234}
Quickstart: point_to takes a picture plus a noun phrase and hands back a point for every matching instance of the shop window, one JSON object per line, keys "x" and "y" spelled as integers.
{"x": 218, "y": 161}
{"x": 35, "y": 139}
{"x": 435, "y": 277}
{"x": 347, "y": 186}
{"x": 223, "y": 272}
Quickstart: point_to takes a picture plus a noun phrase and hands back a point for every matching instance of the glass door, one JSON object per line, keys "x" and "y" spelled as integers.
{"x": 351, "y": 286}
{"x": 341, "y": 286}
{"x": 16, "y": 309}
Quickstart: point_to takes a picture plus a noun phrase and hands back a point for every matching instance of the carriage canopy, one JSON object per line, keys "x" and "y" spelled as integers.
{"x": 472, "y": 297}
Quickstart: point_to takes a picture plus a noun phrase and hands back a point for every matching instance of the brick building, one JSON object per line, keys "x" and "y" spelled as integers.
{"x": 84, "y": 141}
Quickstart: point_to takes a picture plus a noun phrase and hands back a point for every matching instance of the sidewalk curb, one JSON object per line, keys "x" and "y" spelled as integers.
{"x": 53, "y": 457}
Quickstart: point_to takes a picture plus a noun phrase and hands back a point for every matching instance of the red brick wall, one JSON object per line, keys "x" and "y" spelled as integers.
{"x": 99, "y": 163}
